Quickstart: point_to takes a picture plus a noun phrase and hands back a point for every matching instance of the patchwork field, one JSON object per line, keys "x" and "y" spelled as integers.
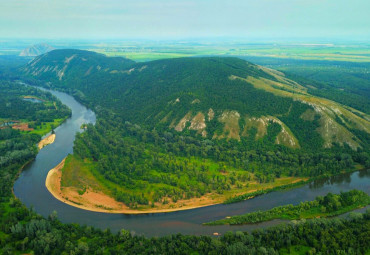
{"x": 327, "y": 52}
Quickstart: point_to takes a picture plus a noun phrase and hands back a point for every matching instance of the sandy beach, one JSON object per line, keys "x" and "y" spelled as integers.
{"x": 46, "y": 141}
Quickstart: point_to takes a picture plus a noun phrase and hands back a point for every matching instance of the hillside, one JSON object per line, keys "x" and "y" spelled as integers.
{"x": 36, "y": 50}
{"x": 214, "y": 97}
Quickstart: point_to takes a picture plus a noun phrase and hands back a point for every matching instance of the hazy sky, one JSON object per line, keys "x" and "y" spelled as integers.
{"x": 182, "y": 19}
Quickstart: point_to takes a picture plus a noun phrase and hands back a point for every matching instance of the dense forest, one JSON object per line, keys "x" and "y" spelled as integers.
{"x": 16, "y": 104}
{"x": 17, "y": 146}
{"x": 198, "y": 94}
{"x": 327, "y": 206}
{"x": 139, "y": 91}
{"x": 9, "y": 65}
{"x": 23, "y": 232}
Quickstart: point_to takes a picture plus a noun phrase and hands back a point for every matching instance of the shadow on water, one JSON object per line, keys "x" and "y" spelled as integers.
{"x": 338, "y": 179}
{"x": 30, "y": 189}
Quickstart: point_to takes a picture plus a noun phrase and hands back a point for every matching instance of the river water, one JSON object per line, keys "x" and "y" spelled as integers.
{"x": 30, "y": 189}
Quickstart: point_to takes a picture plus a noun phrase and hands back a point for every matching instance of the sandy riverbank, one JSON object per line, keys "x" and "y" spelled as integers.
{"x": 100, "y": 202}
{"x": 46, "y": 141}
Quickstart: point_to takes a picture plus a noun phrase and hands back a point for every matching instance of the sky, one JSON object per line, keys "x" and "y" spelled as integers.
{"x": 175, "y": 19}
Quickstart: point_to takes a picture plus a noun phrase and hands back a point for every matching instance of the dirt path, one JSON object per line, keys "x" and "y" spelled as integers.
{"x": 46, "y": 141}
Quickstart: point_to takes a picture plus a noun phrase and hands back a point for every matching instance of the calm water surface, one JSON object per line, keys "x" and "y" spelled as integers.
{"x": 30, "y": 189}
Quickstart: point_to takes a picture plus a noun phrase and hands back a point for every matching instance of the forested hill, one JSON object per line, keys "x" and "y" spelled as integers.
{"x": 211, "y": 97}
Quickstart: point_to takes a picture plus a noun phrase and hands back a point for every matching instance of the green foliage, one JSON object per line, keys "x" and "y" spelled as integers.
{"x": 26, "y": 231}
{"x": 14, "y": 107}
{"x": 302, "y": 129}
{"x": 344, "y": 82}
{"x": 18, "y": 147}
{"x": 169, "y": 164}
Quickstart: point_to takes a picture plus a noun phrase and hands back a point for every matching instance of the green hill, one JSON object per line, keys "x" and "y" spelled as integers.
{"x": 214, "y": 97}
{"x": 190, "y": 132}
{"x": 69, "y": 65}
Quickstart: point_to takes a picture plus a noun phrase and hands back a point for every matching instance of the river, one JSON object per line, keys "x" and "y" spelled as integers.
{"x": 30, "y": 189}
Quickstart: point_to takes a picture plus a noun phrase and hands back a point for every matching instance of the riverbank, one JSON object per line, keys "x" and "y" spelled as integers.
{"x": 46, "y": 141}
{"x": 20, "y": 171}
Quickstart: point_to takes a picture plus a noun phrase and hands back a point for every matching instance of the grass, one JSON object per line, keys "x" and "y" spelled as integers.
{"x": 295, "y": 250}
{"x": 46, "y": 127}
{"x": 79, "y": 174}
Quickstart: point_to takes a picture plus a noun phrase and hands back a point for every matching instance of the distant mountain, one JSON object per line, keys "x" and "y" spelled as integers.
{"x": 71, "y": 65}
{"x": 36, "y": 50}
{"x": 211, "y": 97}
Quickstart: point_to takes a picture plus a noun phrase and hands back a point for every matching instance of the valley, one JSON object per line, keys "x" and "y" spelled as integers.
{"x": 170, "y": 138}
{"x": 184, "y": 127}
{"x": 249, "y": 129}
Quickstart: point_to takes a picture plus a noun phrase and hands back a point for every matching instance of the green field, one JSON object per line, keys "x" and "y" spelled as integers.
{"x": 327, "y": 52}
{"x": 296, "y": 250}
{"x": 151, "y": 50}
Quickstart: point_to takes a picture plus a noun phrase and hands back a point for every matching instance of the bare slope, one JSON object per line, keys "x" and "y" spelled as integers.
{"x": 36, "y": 50}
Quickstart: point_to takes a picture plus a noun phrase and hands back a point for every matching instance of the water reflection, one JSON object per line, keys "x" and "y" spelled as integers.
{"x": 364, "y": 173}
{"x": 338, "y": 179}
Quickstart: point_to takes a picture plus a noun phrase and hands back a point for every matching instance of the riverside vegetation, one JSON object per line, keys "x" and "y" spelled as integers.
{"x": 38, "y": 118}
{"x": 327, "y": 206}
